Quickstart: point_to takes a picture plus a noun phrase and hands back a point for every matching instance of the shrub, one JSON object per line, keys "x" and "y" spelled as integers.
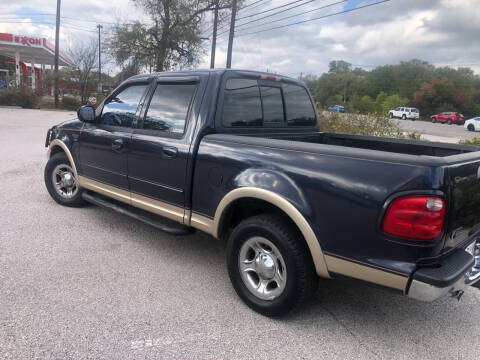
{"x": 25, "y": 98}
{"x": 359, "y": 125}
{"x": 473, "y": 141}
{"x": 69, "y": 103}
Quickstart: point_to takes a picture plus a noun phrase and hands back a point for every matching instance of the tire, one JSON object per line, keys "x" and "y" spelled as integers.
{"x": 294, "y": 265}
{"x": 449, "y": 121}
{"x": 470, "y": 127}
{"x": 390, "y": 116}
{"x": 404, "y": 117}
{"x": 433, "y": 120}
{"x": 72, "y": 193}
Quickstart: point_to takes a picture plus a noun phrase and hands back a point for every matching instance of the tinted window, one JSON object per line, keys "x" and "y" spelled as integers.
{"x": 241, "y": 103}
{"x": 120, "y": 110}
{"x": 169, "y": 107}
{"x": 299, "y": 108}
{"x": 272, "y": 104}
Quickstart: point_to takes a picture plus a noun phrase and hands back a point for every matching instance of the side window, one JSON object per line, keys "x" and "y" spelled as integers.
{"x": 299, "y": 108}
{"x": 241, "y": 103}
{"x": 169, "y": 107}
{"x": 272, "y": 104}
{"x": 120, "y": 110}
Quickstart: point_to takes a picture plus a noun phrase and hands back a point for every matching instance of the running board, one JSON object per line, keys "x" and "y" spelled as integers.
{"x": 166, "y": 225}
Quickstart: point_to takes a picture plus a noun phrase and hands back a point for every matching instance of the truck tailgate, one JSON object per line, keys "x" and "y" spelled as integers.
{"x": 464, "y": 219}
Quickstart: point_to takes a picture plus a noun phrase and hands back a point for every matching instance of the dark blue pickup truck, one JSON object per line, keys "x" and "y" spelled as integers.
{"x": 239, "y": 155}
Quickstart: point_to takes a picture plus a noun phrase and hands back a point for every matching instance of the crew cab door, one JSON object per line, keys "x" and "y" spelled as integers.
{"x": 104, "y": 143}
{"x": 160, "y": 145}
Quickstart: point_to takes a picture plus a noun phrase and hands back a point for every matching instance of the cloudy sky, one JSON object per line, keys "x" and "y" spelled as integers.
{"x": 443, "y": 32}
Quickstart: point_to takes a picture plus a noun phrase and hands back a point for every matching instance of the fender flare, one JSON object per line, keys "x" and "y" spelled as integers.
{"x": 66, "y": 150}
{"x": 285, "y": 206}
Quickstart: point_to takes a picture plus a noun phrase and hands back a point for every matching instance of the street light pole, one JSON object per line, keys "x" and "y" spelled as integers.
{"x": 99, "y": 59}
{"x": 232, "y": 32}
{"x": 57, "y": 45}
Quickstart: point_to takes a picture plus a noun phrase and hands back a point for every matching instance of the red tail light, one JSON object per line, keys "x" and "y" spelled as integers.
{"x": 415, "y": 217}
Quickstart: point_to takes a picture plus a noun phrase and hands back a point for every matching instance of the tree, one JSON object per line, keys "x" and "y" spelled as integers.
{"x": 339, "y": 66}
{"x": 172, "y": 37}
{"x": 85, "y": 57}
{"x": 439, "y": 95}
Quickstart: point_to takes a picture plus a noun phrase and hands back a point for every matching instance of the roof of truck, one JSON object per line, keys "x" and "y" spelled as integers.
{"x": 207, "y": 71}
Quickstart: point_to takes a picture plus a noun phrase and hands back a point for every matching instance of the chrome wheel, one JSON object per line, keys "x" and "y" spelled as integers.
{"x": 64, "y": 181}
{"x": 262, "y": 268}
{"x": 474, "y": 273}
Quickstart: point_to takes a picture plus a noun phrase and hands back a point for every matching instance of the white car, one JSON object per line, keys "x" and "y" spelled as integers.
{"x": 404, "y": 113}
{"x": 473, "y": 124}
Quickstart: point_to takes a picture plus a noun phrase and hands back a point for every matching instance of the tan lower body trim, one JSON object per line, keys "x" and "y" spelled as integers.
{"x": 142, "y": 202}
{"x": 366, "y": 273}
{"x": 202, "y": 223}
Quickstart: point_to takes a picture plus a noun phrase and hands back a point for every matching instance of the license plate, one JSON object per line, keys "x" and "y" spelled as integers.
{"x": 470, "y": 248}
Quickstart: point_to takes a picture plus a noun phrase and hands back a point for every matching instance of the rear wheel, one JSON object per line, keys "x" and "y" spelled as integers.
{"x": 61, "y": 182}
{"x": 269, "y": 265}
{"x": 470, "y": 127}
{"x": 404, "y": 117}
{"x": 449, "y": 121}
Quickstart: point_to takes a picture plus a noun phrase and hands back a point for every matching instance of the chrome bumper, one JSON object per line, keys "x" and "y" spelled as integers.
{"x": 427, "y": 292}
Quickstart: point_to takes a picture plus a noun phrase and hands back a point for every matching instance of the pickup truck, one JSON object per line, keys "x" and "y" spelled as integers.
{"x": 239, "y": 155}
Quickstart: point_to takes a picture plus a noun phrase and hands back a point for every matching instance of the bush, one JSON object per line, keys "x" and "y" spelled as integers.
{"x": 360, "y": 125}
{"x": 473, "y": 141}
{"x": 25, "y": 98}
{"x": 69, "y": 103}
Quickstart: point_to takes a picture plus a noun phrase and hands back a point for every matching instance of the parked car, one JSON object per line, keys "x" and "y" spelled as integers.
{"x": 338, "y": 108}
{"x": 404, "y": 113}
{"x": 473, "y": 124}
{"x": 449, "y": 118}
{"x": 239, "y": 155}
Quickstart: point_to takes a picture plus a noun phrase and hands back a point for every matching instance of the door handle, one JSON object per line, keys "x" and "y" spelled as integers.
{"x": 117, "y": 145}
{"x": 169, "y": 151}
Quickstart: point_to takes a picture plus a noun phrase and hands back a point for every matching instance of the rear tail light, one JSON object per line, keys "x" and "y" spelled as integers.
{"x": 415, "y": 217}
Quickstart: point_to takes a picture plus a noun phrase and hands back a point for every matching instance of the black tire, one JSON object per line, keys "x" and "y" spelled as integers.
{"x": 470, "y": 127}
{"x": 390, "y": 116}
{"x": 404, "y": 117}
{"x": 449, "y": 121}
{"x": 60, "y": 159}
{"x": 433, "y": 120}
{"x": 301, "y": 278}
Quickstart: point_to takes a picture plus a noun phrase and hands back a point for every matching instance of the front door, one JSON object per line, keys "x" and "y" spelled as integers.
{"x": 104, "y": 143}
{"x": 159, "y": 148}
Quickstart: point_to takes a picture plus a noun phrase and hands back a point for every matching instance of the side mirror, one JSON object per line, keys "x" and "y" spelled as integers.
{"x": 86, "y": 113}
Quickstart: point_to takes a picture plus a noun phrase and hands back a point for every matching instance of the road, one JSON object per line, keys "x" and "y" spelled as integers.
{"x": 90, "y": 283}
{"x": 437, "y": 131}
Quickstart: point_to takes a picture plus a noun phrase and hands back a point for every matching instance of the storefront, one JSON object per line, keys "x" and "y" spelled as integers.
{"x": 27, "y": 59}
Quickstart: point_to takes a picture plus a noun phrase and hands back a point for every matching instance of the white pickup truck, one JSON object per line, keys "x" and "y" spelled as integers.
{"x": 404, "y": 113}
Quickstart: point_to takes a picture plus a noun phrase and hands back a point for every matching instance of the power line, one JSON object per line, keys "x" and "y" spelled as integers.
{"x": 63, "y": 17}
{"x": 286, "y": 17}
{"x": 316, "y": 18}
{"x": 274, "y": 8}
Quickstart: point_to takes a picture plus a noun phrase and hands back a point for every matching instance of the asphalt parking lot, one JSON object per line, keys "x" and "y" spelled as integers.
{"x": 438, "y": 132}
{"x": 90, "y": 283}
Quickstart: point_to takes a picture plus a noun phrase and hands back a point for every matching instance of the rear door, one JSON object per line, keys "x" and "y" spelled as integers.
{"x": 160, "y": 145}
{"x": 464, "y": 219}
{"x": 104, "y": 143}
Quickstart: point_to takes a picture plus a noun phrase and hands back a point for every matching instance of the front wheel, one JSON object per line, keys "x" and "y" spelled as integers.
{"x": 449, "y": 121}
{"x": 433, "y": 120}
{"x": 390, "y": 116}
{"x": 61, "y": 183}
{"x": 269, "y": 265}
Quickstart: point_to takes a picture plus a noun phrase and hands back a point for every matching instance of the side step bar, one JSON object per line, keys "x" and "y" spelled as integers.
{"x": 156, "y": 221}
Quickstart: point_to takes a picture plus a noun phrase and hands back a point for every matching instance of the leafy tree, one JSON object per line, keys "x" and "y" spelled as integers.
{"x": 172, "y": 37}
{"x": 391, "y": 102}
{"x": 439, "y": 95}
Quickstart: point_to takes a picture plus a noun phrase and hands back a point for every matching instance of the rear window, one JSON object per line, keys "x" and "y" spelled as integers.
{"x": 249, "y": 103}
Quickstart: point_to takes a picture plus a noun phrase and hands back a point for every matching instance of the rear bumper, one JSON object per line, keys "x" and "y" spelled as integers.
{"x": 449, "y": 279}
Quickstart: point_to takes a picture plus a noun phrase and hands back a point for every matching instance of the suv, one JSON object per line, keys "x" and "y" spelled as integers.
{"x": 449, "y": 118}
{"x": 404, "y": 113}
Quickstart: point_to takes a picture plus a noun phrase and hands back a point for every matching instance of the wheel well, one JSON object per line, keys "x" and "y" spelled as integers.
{"x": 55, "y": 150}
{"x": 244, "y": 208}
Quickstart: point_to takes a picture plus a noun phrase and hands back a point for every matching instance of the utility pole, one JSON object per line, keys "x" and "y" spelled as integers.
{"x": 232, "y": 32}
{"x": 57, "y": 45}
{"x": 99, "y": 59}
{"x": 214, "y": 36}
